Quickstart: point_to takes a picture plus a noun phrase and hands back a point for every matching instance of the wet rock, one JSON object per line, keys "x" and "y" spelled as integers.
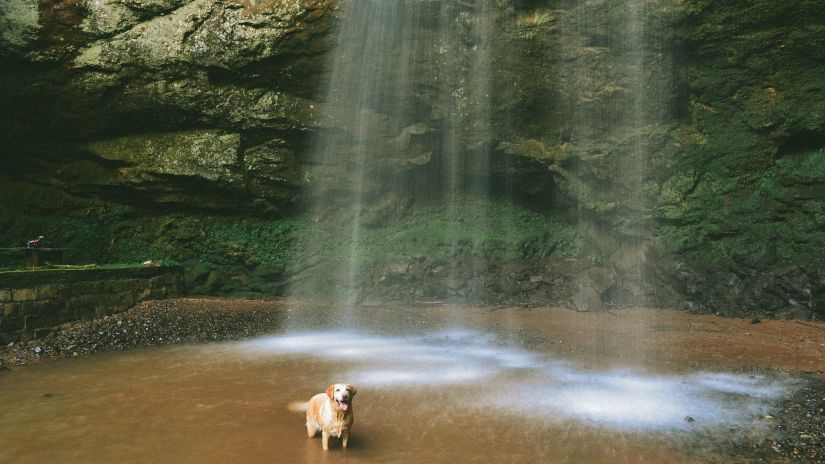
{"x": 399, "y": 268}
{"x": 170, "y": 91}
{"x": 587, "y": 299}
{"x": 593, "y": 288}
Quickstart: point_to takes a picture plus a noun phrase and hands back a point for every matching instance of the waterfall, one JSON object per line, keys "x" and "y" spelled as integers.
{"x": 415, "y": 115}
{"x": 383, "y": 143}
{"x": 614, "y": 71}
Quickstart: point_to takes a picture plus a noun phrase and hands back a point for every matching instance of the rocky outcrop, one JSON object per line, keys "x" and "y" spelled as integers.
{"x": 679, "y": 145}
{"x": 161, "y": 129}
{"x": 209, "y": 155}
{"x": 132, "y": 95}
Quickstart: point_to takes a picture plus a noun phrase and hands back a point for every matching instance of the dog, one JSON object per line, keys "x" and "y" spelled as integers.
{"x": 331, "y": 414}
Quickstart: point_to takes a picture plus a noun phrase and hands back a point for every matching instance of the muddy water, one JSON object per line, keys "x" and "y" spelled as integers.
{"x": 436, "y": 385}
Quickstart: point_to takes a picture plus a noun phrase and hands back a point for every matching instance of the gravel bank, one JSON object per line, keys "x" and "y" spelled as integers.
{"x": 152, "y": 323}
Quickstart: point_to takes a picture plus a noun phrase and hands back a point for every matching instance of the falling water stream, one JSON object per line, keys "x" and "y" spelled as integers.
{"x": 412, "y": 119}
{"x": 388, "y": 147}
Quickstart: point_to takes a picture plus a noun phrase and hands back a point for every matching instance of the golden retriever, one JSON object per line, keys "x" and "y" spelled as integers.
{"x": 331, "y": 413}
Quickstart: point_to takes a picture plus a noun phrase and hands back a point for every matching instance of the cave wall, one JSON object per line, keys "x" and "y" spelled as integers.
{"x": 685, "y": 140}
{"x": 163, "y": 130}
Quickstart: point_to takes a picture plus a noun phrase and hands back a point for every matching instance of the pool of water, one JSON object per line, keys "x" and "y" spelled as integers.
{"x": 438, "y": 386}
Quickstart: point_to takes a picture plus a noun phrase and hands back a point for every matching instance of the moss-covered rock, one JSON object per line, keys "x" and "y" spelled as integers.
{"x": 18, "y": 25}
{"x": 673, "y": 150}
{"x": 210, "y": 155}
{"x": 739, "y": 221}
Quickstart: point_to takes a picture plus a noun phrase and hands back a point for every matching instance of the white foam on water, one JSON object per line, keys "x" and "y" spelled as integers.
{"x": 630, "y": 399}
{"x": 737, "y": 384}
{"x": 555, "y": 390}
{"x": 434, "y": 376}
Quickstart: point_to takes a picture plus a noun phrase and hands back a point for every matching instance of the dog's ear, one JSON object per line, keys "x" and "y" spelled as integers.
{"x": 331, "y": 391}
{"x": 352, "y": 389}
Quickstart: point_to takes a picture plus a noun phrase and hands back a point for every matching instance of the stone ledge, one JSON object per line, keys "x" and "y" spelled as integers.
{"x": 33, "y": 303}
{"x": 39, "y": 277}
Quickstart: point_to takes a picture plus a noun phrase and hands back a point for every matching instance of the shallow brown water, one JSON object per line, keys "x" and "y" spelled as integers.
{"x": 436, "y": 385}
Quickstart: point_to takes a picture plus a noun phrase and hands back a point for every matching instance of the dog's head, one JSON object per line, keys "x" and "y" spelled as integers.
{"x": 342, "y": 394}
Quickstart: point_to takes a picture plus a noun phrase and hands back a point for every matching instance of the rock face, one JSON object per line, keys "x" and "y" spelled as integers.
{"x": 679, "y": 145}
{"x": 122, "y": 95}
{"x": 738, "y": 215}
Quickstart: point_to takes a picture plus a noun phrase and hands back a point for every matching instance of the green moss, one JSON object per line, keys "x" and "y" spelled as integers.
{"x": 467, "y": 229}
{"x": 484, "y": 228}
{"x": 742, "y": 193}
{"x": 755, "y": 219}
{"x": 119, "y": 235}
{"x": 254, "y": 255}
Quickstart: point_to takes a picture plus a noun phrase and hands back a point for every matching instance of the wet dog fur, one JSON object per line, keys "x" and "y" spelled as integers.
{"x": 331, "y": 414}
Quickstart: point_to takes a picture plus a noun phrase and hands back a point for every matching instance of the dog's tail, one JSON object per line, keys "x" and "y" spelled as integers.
{"x": 297, "y": 406}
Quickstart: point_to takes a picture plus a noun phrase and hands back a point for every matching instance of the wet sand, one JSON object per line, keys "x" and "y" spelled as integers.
{"x": 226, "y": 402}
{"x": 654, "y": 336}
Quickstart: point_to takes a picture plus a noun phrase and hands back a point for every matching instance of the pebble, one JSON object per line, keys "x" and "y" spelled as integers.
{"x": 152, "y": 323}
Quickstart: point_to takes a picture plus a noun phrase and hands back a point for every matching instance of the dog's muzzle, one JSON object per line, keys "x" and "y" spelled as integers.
{"x": 343, "y": 404}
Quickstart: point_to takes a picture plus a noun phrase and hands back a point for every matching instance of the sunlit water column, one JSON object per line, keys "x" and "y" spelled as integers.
{"x": 386, "y": 56}
{"x": 636, "y": 122}
{"x": 364, "y": 100}
{"x": 645, "y": 117}
{"x": 465, "y": 53}
{"x": 614, "y": 116}
{"x": 612, "y": 54}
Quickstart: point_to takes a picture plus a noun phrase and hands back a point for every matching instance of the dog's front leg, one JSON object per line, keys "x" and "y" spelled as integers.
{"x": 325, "y": 439}
{"x": 344, "y": 437}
